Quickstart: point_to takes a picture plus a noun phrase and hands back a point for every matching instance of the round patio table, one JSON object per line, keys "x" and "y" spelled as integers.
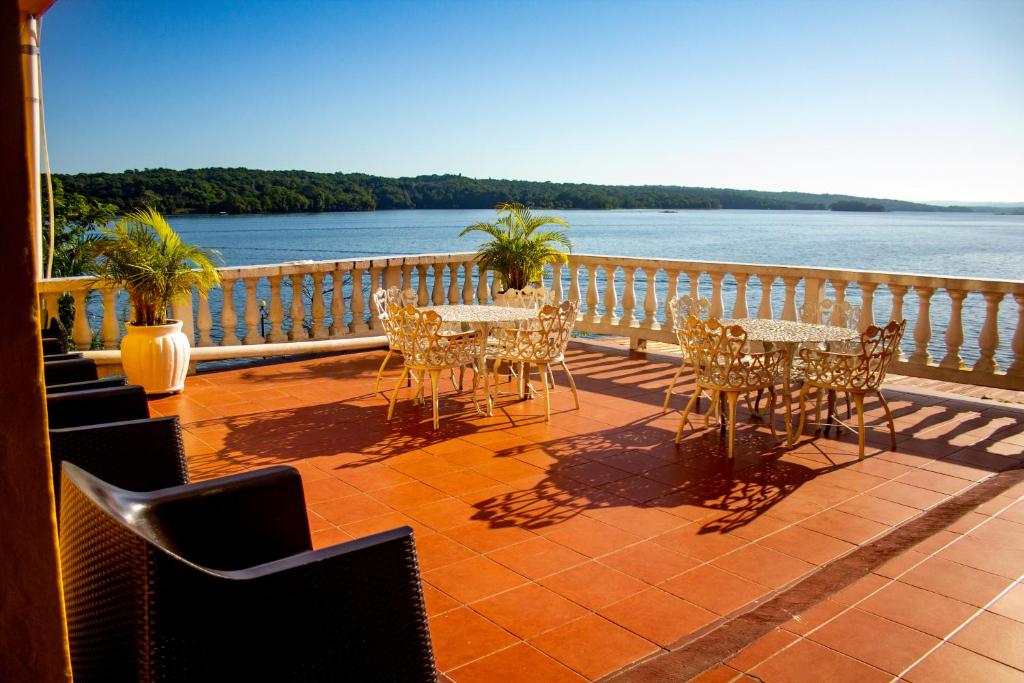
{"x": 482, "y": 319}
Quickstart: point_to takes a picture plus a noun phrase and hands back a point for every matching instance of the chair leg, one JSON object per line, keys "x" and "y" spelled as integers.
{"x": 713, "y": 408}
{"x": 888, "y": 416}
{"x": 572, "y": 385}
{"x": 394, "y": 392}
{"x": 380, "y": 371}
{"x": 547, "y": 393}
{"x": 771, "y": 411}
{"x": 858, "y": 399}
{"x": 730, "y": 398}
{"x": 817, "y": 407}
{"x": 686, "y": 414}
{"x": 434, "y": 374}
{"x": 803, "y": 409}
{"x": 671, "y": 386}
{"x": 497, "y": 362}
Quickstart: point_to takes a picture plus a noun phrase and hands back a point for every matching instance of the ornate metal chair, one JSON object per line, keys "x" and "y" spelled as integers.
{"x": 681, "y": 309}
{"x": 835, "y": 314}
{"x": 856, "y": 374}
{"x": 533, "y": 296}
{"x": 539, "y": 344}
{"x": 218, "y": 581}
{"x": 427, "y": 350}
{"x": 382, "y": 298}
{"x": 725, "y": 368}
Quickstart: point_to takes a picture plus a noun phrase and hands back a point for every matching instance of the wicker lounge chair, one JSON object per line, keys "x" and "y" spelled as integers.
{"x": 96, "y": 406}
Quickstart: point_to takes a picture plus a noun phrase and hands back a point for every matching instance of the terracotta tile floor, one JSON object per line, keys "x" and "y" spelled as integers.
{"x": 574, "y": 548}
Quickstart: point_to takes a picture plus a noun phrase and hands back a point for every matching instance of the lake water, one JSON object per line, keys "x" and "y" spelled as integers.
{"x": 975, "y": 245}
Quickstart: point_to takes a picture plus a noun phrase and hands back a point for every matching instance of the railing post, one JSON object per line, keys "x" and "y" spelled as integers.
{"x": 1017, "y": 343}
{"x": 275, "y": 311}
{"x": 297, "y": 310}
{"x": 717, "y": 305}
{"x": 467, "y": 282}
{"x": 252, "y": 313}
{"x": 739, "y": 308}
{"x": 923, "y": 328}
{"x": 574, "y": 281}
{"x": 672, "y": 293}
{"x": 838, "y": 317}
{"x": 765, "y": 311}
{"x": 338, "y": 327}
{"x": 955, "y": 331}
{"x": 358, "y": 302}
{"x": 319, "y": 330}
{"x": 438, "y": 294}
{"x": 204, "y": 321}
{"x": 556, "y": 282}
{"x": 898, "y": 292}
{"x": 651, "y": 299}
{"x": 496, "y": 285}
{"x": 228, "y": 317}
{"x": 629, "y": 297}
{"x": 988, "y": 341}
{"x": 375, "y": 278}
{"x": 111, "y": 332}
{"x": 694, "y": 278}
{"x": 406, "y": 276}
{"x": 453, "y": 283}
{"x": 481, "y": 286}
{"x": 181, "y": 309}
{"x": 789, "y": 306}
{"x": 80, "y": 332}
{"x": 592, "y": 299}
{"x": 610, "y": 296}
{"x": 867, "y": 310}
{"x": 422, "y": 295}
{"x": 392, "y": 275}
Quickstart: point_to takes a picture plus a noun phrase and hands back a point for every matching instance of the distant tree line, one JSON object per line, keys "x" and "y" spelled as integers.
{"x": 850, "y": 205}
{"x": 241, "y": 190}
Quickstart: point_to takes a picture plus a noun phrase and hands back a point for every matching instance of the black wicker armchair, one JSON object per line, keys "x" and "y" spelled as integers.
{"x": 217, "y": 581}
{"x": 138, "y": 455}
{"x": 102, "y": 383}
{"x": 96, "y": 406}
{"x": 63, "y": 370}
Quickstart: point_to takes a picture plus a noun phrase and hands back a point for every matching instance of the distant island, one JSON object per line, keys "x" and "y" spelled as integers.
{"x": 242, "y": 191}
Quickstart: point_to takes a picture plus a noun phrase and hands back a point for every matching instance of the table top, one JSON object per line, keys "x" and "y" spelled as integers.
{"x": 476, "y": 313}
{"x": 788, "y": 331}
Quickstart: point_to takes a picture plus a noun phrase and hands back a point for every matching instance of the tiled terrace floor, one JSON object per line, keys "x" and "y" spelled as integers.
{"x": 552, "y": 551}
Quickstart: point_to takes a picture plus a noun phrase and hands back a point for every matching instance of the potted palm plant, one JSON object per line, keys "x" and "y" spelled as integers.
{"x": 520, "y": 245}
{"x": 143, "y": 254}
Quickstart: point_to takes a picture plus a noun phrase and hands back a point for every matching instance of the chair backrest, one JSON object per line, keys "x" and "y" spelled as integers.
{"x": 69, "y": 369}
{"x": 382, "y": 298}
{"x": 720, "y": 357}
{"x": 217, "y": 581}
{"x": 96, "y": 406}
{"x": 832, "y": 313}
{"x": 878, "y": 347}
{"x": 543, "y": 339}
{"x": 103, "y": 383}
{"x": 533, "y": 296}
{"x": 683, "y": 307}
{"x": 137, "y": 455}
{"x": 418, "y": 335}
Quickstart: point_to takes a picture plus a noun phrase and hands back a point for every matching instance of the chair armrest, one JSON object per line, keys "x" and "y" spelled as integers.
{"x": 60, "y": 355}
{"x": 96, "y": 406}
{"x": 69, "y": 370}
{"x": 232, "y": 522}
{"x": 103, "y": 383}
{"x": 135, "y": 455}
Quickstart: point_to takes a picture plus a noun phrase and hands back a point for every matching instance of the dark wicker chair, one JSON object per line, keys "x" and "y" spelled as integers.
{"x": 50, "y": 357}
{"x": 55, "y": 338}
{"x": 96, "y": 406}
{"x": 69, "y": 370}
{"x": 53, "y": 347}
{"x": 138, "y": 455}
{"x": 217, "y": 581}
{"x": 102, "y": 383}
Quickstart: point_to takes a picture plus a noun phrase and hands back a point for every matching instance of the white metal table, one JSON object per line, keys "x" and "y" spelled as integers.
{"x": 482, "y": 319}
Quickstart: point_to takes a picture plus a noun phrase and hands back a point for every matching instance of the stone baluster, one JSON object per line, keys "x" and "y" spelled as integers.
{"x": 496, "y": 285}
{"x": 252, "y": 313}
{"x": 629, "y": 297}
{"x": 739, "y": 307}
{"x": 574, "y": 281}
{"x": 181, "y": 309}
{"x": 228, "y": 317}
{"x": 275, "y": 312}
{"x": 898, "y": 292}
{"x": 297, "y": 309}
{"x": 651, "y": 300}
{"x": 954, "y": 331}
{"x": 51, "y": 300}
{"x": 717, "y": 305}
{"x": 923, "y": 328}
{"x": 838, "y": 317}
{"x": 406, "y": 276}
{"x": 481, "y": 286}
{"x": 204, "y": 321}
{"x": 673, "y": 292}
{"x": 358, "y": 323}
{"x": 392, "y": 276}
{"x": 453, "y": 283}
{"x": 319, "y": 310}
{"x": 867, "y": 308}
{"x": 338, "y": 327}
{"x": 988, "y": 340}
{"x": 789, "y": 306}
{"x": 467, "y": 282}
{"x": 592, "y": 297}
{"x": 422, "y": 295}
{"x": 111, "y": 332}
{"x": 694, "y": 278}
{"x": 81, "y": 334}
{"x": 610, "y": 296}
{"x": 375, "y": 284}
{"x": 556, "y": 282}
{"x": 1017, "y": 343}
{"x": 764, "y": 311}
{"x": 438, "y": 293}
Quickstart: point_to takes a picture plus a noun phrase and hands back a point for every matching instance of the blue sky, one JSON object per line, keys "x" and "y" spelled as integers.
{"x": 910, "y": 100}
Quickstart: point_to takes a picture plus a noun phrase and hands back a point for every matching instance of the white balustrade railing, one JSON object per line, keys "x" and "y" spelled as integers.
{"x": 959, "y": 329}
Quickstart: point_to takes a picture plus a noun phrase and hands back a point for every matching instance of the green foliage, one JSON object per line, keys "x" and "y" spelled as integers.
{"x": 519, "y": 248}
{"x": 143, "y": 254}
{"x": 849, "y": 205}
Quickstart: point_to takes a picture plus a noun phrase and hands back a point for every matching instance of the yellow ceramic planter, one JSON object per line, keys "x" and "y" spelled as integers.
{"x": 156, "y": 357}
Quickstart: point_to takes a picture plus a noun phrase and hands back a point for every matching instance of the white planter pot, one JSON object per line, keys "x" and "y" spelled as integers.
{"x": 156, "y": 357}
